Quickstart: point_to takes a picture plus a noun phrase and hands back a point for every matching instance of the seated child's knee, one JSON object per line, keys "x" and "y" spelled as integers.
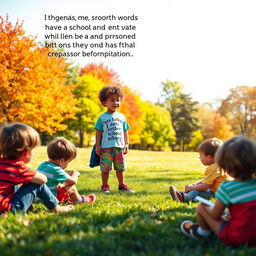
{"x": 72, "y": 189}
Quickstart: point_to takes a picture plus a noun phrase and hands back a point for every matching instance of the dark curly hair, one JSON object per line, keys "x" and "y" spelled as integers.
{"x": 109, "y": 90}
{"x": 237, "y": 157}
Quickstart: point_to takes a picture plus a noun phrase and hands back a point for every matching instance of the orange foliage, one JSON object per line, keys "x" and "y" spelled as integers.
{"x": 218, "y": 127}
{"x": 32, "y": 84}
{"x": 131, "y": 107}
{"x": 106, "y": 75}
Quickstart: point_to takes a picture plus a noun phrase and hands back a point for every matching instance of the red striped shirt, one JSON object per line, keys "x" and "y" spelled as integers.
{"x": 12, "y": 172}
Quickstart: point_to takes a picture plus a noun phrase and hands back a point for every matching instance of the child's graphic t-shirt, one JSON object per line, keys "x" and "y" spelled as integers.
{"x": 112, "y": 126}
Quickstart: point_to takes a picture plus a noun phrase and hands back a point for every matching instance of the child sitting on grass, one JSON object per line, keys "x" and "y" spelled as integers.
{"x": 17, "y": 143}
{"x": 237, "y": 157}
{"x": 213, "y": 176}
{"x": 60, "y": 153}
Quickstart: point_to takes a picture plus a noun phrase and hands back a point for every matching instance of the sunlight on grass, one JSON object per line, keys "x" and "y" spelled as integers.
{"x": 144, "y": 223}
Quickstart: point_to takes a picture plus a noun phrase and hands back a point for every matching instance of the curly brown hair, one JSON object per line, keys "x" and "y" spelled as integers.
{"x": 109, "y": 90}
{"x": 237, "y": 157}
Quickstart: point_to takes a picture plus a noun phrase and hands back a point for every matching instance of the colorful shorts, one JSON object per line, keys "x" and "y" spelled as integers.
{"x": 62, "y": 194}
{"x": 112, "y": 155}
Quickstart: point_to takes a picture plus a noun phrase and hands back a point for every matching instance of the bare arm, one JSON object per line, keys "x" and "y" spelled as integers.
{"x": 73, "y": 179}
{"x": 98, "y": 140}
{"x": 198, "y": 182}
{"x": 39, "y": 178}
{"x": 126, "y": 142}
{"x": 217, "y": 209}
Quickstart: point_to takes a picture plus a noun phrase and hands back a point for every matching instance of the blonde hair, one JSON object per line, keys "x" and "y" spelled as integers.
{"x": 237, "y": 157}
{"x": 15, "y": 138}
{"x": 210, "y": 146}
{"x": 60, "y": 148}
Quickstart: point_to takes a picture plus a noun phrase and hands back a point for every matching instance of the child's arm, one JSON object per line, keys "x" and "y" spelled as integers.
{"x": 73, "y": 178}
{"x": 217, "y": 210}
{"x": 198, "y": 182}
{"x": 199, "y": 187}
{"x": 39, "y": 178}
{"x": 98, "y": 140}
{"x": 126, "y": 142}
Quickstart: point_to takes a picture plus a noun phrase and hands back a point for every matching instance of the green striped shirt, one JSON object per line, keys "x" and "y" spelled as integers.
{"x": 236, "y": 191}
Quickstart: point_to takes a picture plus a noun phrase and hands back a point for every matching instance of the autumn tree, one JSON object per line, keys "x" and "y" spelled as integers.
{"x": 131, "y": 107}
{"x": 102, "y": 72}
{"x": 32, "y": 84}
{"x": 218, "y": 127}
{"x": 240, "y": 109}
{"x": 213, "y": 124}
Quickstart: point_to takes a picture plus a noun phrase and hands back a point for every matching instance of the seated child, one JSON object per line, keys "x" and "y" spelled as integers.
{"x": 17, "y": 143}
{"x": 60, "y": 153}
{"x": 213, "y": 176}
{"x": 237, "y": 157}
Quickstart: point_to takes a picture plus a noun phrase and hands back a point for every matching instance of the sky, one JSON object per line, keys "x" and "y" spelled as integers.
{"x": 208, "y": 46}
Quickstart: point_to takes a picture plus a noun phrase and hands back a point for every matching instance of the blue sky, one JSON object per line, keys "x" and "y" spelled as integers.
{"x": 208, "y": 46}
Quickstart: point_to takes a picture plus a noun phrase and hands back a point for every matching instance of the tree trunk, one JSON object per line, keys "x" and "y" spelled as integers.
{"x": 81, "y": 138}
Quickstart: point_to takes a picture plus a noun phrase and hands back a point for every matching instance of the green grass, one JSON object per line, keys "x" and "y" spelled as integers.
{"x": 144, "y": 223}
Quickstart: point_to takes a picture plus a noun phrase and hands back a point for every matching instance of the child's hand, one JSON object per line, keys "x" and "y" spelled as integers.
{"x": 188, "y": 188}
{"x": 98, "y": 151}
{"x": 74, "y": 173}
{"x": 126, "y": 148}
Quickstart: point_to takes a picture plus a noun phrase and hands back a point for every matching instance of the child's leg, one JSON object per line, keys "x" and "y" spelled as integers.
{"x": 77, "y": 198}
{"x": 26, "y": 194}
{"x": 205, "y": 220}
{"x": 119, "y": 164}
{"x": 73, "y": 193}
{"x": 104, "y": 177}
{"x": 190, "y": 196}
{"x": 106, "y": 164}
{"x": 120, "y": 177}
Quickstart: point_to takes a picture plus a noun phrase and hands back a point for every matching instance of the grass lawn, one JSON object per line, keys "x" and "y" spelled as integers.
{"x": 144, "y": 223}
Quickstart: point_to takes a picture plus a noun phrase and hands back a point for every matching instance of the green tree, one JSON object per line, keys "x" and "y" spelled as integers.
{"x": 158, "y": 132}
{"x": 197, "y": 138}
{"x": 182, "y": 110}
{"x": 86, "y": 93}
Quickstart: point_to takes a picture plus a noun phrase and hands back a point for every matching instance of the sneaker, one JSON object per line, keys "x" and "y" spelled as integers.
{"x": 88, "y": 199}
{"x": 189, "y": 228}
{"x": 175, "y": 194}
{"x": 105, "y": 188}
{"x": 124, "y": 187}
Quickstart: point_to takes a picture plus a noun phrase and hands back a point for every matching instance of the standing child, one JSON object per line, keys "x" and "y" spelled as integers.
{"x": 60, "y": 153}
{"x": 112, "y": 138}
{"x": 213, "y": 176}
{"x": 17, "y": 143}
{"x": 237, "y": 157}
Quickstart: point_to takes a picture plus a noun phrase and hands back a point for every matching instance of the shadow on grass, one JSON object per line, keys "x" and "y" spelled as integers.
{"x": 134, "y": 232}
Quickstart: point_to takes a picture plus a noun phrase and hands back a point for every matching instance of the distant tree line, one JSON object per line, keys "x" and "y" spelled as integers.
{"x": 58, "y": 98}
